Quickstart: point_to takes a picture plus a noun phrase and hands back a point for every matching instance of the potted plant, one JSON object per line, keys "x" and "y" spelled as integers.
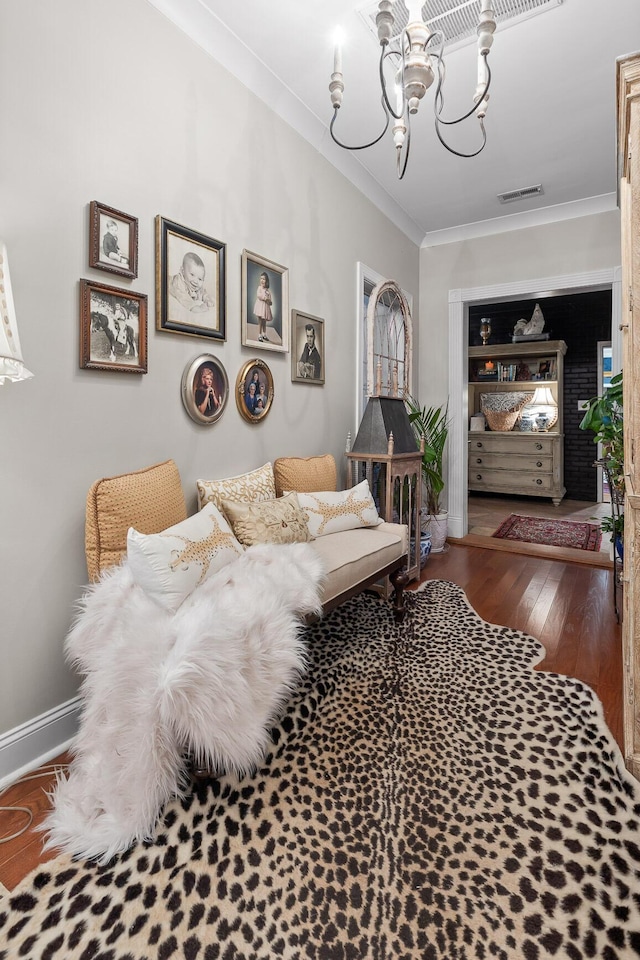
{"x": 604, "y": 416}
{"x": 432, "y": 425}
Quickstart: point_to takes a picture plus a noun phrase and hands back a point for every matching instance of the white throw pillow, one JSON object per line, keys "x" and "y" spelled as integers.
{"x": 170, "y": 565}
{"x": 333, "y": 511}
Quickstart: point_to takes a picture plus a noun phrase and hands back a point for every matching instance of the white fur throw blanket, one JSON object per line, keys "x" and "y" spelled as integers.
{"x": 208, "y": 679}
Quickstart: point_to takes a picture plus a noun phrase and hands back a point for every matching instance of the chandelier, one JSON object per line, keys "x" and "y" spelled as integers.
{"x": 417, "y": 58}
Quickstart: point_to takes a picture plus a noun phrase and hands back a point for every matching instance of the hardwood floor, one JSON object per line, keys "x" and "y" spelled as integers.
{"x": 566, "y": 605}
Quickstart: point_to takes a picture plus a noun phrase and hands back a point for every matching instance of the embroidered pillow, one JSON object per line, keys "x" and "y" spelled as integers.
{"x": 246, "y": 487}
{"x": 270, "y": 521}
{"x": 331, "y": 512}
{"x": 306, "y": 474}
{"x": 170, "y": 565}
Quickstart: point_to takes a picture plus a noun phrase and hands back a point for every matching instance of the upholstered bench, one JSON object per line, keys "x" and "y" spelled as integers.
{"x": 152, "y": 500}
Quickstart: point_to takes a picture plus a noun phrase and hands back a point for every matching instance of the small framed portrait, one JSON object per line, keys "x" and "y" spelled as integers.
{"x": 205, "y": 388}
{"x": 113, "y": 328}
{"x": 254, "y": 391}
{"x": 113, "y": 240}
{"x": 307, "y": 348}
{"x": 265, "y": 304}
{"x": 190, "y": 282}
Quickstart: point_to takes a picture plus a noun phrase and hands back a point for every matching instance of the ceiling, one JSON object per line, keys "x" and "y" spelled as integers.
{"x": 551, "y": 116}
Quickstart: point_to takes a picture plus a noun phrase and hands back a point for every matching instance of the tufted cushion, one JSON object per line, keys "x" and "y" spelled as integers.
{"x": 246, "y": 488}
{"x": 149, "y": 500}
{"x": 170, "y": 565}
{"x": 331, "y": 512}
{"x": 271, "y": 521}
{"x": 304, "y": 474}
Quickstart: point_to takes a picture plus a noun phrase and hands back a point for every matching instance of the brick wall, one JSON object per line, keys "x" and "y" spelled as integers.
{"x": 581, "y": 320}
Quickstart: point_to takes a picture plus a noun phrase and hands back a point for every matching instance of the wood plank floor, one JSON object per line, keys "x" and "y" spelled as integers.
{"x": 566, "y": 605}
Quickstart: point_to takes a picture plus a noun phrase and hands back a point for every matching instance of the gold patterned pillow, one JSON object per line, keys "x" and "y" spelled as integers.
{"x": 269, "y": 521}
{"x": 305, "y": 474}
{"x": 331, "y": 512}
{"x": 246, "y": 487}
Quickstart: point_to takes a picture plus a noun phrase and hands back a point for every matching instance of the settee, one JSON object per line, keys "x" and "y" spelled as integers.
{"x": 189, "y": 647}
{"x": 152, "y": 500}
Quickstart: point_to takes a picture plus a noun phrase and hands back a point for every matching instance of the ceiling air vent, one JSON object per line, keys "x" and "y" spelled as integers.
{"x": 522, "y": 194}
{"x": 457, "y": 19}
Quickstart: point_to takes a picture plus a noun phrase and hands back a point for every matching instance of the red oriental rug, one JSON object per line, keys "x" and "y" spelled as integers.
{"x": 555, "y": 533}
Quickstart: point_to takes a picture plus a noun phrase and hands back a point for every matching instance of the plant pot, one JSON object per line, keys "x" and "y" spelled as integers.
{"x": 619, "y": 546}
{"x": 438, "y": 528}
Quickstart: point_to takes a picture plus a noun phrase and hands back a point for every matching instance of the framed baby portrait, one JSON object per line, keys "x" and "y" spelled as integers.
{"x": 113, "y": 240}
{"x": 190, "y": 282}
{"x": 254, "y": 391}
{"x": 265, "y": 304}
{"x": 113, "y": 328}
{"x": 307, "y": 348}
{"x": 205, "y": 388}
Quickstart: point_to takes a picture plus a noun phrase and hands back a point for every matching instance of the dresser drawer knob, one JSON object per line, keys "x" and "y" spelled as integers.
{"x": 539, "y": 463}
{"x": 479, "y": 445}
{"x": 539, "y": 482}
{"x": 478, "y": 476}
{"x": 479, "y": 460}
{"x": 538, "y": 446}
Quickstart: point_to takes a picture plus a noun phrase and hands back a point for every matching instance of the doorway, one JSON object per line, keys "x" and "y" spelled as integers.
{"x": 460, "y": 302}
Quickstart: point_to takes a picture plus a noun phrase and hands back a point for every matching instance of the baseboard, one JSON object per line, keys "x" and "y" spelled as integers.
{"x": 35, "y": 742}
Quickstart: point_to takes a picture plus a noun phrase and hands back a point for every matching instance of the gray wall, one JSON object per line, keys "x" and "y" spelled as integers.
{"x": 106, "y": 100}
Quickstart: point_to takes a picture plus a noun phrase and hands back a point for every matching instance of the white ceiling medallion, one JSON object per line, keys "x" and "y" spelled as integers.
{"x": 457, "y": 19}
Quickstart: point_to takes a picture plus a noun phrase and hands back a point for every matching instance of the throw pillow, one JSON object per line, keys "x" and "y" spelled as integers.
{"x": 305, "y": 474}
{"x": 331, "y": 512}
{"x": 170, "y": 565}
{"x": 250, "y": 487}
{"x": 270, "y": 521}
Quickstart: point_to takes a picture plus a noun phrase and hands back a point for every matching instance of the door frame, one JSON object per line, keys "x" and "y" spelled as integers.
{"x": 459, "y": 302}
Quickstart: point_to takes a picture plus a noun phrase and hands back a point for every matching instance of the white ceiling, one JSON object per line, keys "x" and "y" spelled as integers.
{"x": 551, "y": 116}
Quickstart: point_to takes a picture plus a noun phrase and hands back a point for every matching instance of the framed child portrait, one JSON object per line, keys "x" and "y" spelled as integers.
{"x": 265, "y": 304}
{"x": 190, "y": 282}
{"x": 307, "y": 348}
{"x": 254, "y": 391}
{"x": 113, "y": 328}
{"x": 205, "y": 389}
{"x": 113, "y": 240}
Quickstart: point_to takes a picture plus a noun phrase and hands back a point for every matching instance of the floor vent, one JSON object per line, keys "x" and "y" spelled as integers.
{"x": 522, "y": 194}
{"x": 457, "y": 19}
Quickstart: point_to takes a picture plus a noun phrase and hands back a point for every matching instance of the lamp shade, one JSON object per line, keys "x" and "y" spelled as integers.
{"x": 383, "y": 416}
{"x": 543, "y": 398}
{"x": 11, "y": 363}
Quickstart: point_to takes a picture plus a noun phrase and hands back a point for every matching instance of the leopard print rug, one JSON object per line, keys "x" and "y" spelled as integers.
{"x": 428, "y": 795}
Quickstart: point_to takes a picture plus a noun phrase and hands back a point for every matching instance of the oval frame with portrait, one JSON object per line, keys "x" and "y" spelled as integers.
{"x": 193, "y": 383}
{"x": 254, "y": 372}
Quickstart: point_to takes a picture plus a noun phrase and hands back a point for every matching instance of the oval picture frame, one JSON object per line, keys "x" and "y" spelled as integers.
{"x": 195, "y": 384}
{"x": 254, "y": 404}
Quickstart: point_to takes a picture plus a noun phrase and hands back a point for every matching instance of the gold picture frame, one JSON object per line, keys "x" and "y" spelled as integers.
{"x": 254, "y": 391}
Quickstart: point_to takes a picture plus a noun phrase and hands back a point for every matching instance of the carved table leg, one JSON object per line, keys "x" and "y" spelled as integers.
{"x": 399, "y": 579}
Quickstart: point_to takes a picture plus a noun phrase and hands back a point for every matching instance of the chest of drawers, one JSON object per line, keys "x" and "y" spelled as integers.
{"x": 524, "y": 463}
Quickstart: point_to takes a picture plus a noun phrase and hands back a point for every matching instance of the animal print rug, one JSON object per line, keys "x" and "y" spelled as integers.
{"x": 427, "y": 795}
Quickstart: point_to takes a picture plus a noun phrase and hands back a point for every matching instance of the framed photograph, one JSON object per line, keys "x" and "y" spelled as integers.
{"x": 113, "y": 240}
{"x": 205, "y": 388}
{"x": 307, "y": 348}
{"x": 190, "y": 282}
{"x": 254, "y": 391}
{"x": 113, "y": 328}
{"x": 265, "y": 304}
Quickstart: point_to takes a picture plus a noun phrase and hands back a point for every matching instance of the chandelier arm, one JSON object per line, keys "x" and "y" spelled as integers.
{"x": 465, "y": 116}
{"x": 361, "y": 146}
{"x": 458, "y": 152}
{"x": 383, "y": 83}
{"x": 406, "y": 154}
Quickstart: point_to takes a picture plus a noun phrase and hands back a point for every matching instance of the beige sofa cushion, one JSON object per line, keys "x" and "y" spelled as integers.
{"x": 305, "y": 474}
{"x": 352, "y": 556}
{"x": 149, "y": 500}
